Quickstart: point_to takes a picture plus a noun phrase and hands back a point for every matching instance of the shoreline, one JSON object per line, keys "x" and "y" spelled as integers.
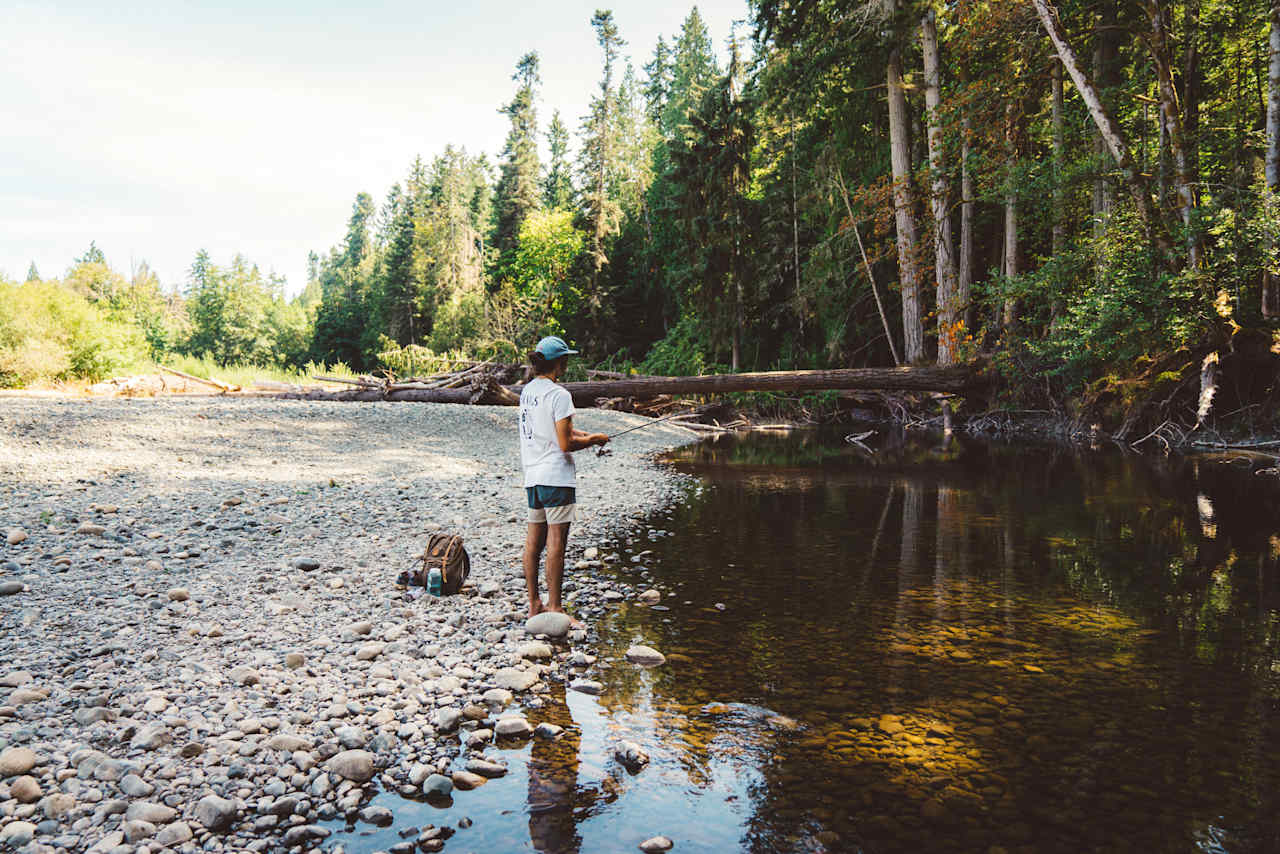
{"x": 226, "y": 663}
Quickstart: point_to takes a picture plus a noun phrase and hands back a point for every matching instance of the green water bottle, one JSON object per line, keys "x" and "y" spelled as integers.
{"x": 435, "y": 581}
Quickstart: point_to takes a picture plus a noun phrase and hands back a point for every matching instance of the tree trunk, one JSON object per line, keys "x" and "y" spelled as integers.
{"x": 795, "y": 225}
{"x": 955, "y": 379}
{"x": 1270, "y": 282}
{"x": 904, "y": 210}
{"x": 964, "y": 276}
{"x": 1059, "y": 146}
{"x": 1112, "y": 136}
{"x": 1104, "y": 62}
{"x": 1171, "y": 120}
{"x": 1010, "y": 318}
{"x": 1191, "y": 85}
{"x": 944, "y": 250}
{"x": 1273, "y": 103}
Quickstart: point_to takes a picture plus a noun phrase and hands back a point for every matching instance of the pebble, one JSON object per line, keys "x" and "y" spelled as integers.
{"x": 587, "y": 686}
{"x": 381, "y": 816}
{"x": 152, "y": 812}
{"x": 135, "y": 787}
{"x": 174, "y": 834}
{"x": 553, "y": 624}
{"x": 215, "y": 813}
{"x": 25, "y": 789}
{"x": 514, "y": 679}
{"x": 547, "y": 730}
{"x": 354, "y": 765}
{"x": 16, "y": 760}
{"x": 497, "y": 697}
{"x": 135, "y": 831}
{"x": 447, "y": 719}
{"x": 631, "y": 755}
{"x": 645, "y": 655}
{"x": 485, "y": 768}
{"x": 370, "y": 651}
{"x": 466, "y": 780}
{"x": 535, "y": 649}
{"x": 203, "y": 623}
{"x": 16, "y": 834}
{"x": 655, "y": 844}
{"x": 14, "y": 536}
{"x": 438, "y": 785}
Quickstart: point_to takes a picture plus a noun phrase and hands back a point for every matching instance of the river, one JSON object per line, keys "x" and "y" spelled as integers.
{"x": 935, "y": 647}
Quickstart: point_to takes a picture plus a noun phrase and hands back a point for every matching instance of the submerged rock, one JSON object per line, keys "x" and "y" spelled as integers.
{"x": 631, "y": 755}
{"x": 645, "y": 655}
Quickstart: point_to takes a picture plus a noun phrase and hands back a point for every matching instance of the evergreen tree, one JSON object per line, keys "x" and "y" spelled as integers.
{"x": 693, "y": 69}
{"x": 558, "y": 187}
{"x": 33, "y": 275}
{"x": 518, "y": 191}
{"x": 600, "y": 151}
{"x": 345, "y": 292}
{"x": 92, "y": 255}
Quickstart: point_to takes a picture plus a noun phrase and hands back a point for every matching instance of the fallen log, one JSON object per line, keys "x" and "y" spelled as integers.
{"x": 956, "y": 380}
{"x": 215, "y": 383}
{"x": 358, "y": 381}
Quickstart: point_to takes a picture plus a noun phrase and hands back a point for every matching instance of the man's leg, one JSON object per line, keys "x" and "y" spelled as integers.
{"x": 534, "y": 540}
{"x": 557, "y": 538}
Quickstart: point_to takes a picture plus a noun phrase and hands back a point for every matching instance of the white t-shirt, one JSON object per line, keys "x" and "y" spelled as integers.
{"x": 542, "y": 404}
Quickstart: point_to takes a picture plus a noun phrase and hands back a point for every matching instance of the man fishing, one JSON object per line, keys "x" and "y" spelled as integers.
{"x": 547, "y": 443}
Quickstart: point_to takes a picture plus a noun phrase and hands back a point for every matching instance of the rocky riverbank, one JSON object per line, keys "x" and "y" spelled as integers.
{"x": 201, "y": 643}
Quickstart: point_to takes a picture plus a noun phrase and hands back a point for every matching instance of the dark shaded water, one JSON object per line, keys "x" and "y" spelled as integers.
{"x": 967, "y": 647}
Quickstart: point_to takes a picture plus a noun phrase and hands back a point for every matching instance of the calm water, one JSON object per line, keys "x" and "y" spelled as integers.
{"x": 967, "y": 648}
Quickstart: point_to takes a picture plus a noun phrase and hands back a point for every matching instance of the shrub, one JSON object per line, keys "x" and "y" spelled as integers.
{"x": 48, "y": 333}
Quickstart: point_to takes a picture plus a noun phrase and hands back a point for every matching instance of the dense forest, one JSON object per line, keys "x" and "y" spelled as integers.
{"x": 1082, "y": 196}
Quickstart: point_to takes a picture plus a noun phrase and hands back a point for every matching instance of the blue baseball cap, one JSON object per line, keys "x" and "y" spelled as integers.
{"x": 553, "y": 347}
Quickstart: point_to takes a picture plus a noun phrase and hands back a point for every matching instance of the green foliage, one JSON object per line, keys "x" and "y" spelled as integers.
{"x": 681, "y": 353}
{"x": 459, "y": 323}
{"x": 1132, "y": 311}
{"x": 49, "y": 332}
{"x": 239, "y": 316}
{"x": 518, "y": 192}
{"x": 549, "y": 247}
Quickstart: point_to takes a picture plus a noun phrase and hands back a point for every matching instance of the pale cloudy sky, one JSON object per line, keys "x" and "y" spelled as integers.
{"x": 160, "y": 128}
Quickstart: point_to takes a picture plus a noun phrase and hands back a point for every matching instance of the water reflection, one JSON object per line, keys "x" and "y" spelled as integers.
{"x": 553, "y": 785}
{"x": 959, "y": 647}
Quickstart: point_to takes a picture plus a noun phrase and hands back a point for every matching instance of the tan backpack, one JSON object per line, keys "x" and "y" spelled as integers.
{"x": 446, "y": 553}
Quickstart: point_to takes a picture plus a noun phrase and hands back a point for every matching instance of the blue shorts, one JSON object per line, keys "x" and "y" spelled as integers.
{"x": 552, "y": 505}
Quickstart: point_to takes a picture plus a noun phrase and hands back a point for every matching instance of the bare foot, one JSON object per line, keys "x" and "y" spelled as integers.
{"x": 573, "y": 624}
{"x": 536, "y": 607}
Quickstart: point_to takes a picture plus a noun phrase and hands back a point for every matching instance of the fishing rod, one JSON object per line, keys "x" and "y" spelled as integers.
{"x": 602, "y": 451}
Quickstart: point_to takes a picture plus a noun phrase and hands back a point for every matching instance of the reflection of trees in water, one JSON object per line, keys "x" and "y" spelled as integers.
{"x": 1130, "y": 734}
{"x": 553, "y": 793}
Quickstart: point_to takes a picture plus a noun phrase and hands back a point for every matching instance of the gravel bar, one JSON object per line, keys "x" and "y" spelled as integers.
{"x": 202, "y": 647}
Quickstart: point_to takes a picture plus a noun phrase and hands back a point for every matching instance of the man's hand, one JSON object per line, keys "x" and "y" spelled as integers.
{"x": 598, "y": 439}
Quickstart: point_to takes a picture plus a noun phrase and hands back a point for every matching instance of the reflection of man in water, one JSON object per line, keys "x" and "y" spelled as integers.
{"x": 553, "y": 783}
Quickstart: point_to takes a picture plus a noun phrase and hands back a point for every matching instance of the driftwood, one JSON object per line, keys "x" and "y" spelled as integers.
{"x": 484, "y": 389}
{"x": 215, "y": 383}
{"x": 360, "y": 381}
{"x": 955, "y": 379}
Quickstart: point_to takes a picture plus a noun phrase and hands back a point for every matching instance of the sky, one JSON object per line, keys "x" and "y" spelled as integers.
{"x": 156, "y": 129}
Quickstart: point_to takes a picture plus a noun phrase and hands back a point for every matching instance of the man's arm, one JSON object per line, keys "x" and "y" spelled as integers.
{"x": 575, "y": 440}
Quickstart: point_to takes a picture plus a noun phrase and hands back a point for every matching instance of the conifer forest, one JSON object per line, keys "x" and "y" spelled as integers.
{"x": 1079, "y": 196}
